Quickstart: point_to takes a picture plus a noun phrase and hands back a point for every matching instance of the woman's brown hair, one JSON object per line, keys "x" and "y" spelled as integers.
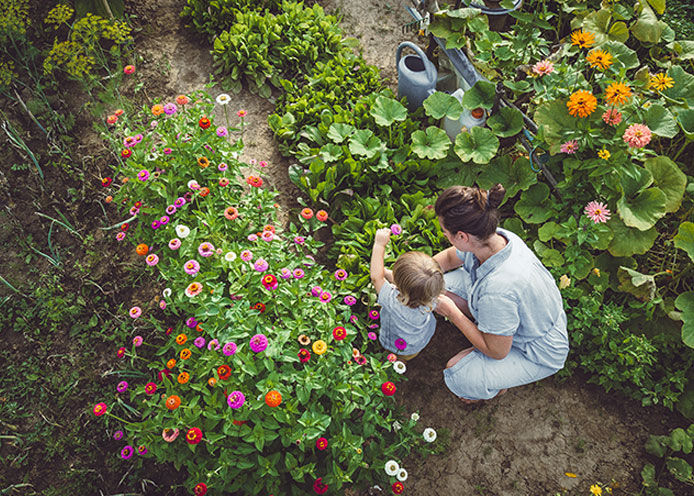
{"x": 470, "y": 210}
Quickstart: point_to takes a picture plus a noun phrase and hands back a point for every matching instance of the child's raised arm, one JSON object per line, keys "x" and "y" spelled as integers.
{"x": 378, "y": 271}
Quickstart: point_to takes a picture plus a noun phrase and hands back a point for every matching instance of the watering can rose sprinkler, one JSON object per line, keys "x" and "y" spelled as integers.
{"x": 417, "y": 75}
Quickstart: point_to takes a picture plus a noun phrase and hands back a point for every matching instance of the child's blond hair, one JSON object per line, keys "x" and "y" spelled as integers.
{"x": 419, "y": 279}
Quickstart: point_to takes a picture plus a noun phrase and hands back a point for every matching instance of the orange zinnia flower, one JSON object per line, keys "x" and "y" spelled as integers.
{"x": 600, "y": 59}
{"x": 273, "y": 398}
{"x": 157, "y": 109}
{"x": 181, "y": 339}
{"x": 183, "y": 377}
{"x": 204, "y": 191}
{"x": 661, "y": 82}
{"x": 185, "y": 354}
{"x": 322, "y": 215}
{"x": 171, "y": 363}
{"x": 203, "y": 162}
{"x": 617, "y": 93}
{"x": 231, "y": 213}
{"x": 582, "y": 103}
{"x": 582, "y": 39}
{"x": 142, "y": 249}
{"x": 173, "y": 402}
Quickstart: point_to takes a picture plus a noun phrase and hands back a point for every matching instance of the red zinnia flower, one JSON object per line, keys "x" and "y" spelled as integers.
{"x": 321, "y": 443}
{"x": 304, "y": 355}
{"x": 126, "y": 153}
{"x": 388, "y": 388}
{"x": 307, "y": 213}
{"x": 204, "y": 191}
{"x": 254, "y": 181}
{"x": 259, "y": 306}
{"x": 319, "y": 487}
{"x": 121, "y": 352}
{"x": 106, "y": 182}
{"x": 204, "y": 122}
{"x": 224, "y": 372}
{"x": 194, "y": 435}
{"x": 270, "y": 282}
{"x": 339, "y": 333}
{"x": 398, "y": 487}
{"x": 200, "y": 489}
{"x": 124, "y": 226}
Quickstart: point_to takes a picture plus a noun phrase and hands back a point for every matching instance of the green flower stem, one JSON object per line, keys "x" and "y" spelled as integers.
{"x": 119, "y": 419}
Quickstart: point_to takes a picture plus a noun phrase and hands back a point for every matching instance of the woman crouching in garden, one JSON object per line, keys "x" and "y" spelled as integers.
{"x": 499, "y": 295}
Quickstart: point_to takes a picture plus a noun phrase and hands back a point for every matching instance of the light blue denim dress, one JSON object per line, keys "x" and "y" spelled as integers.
{"x": 510, "y": 294}
{"x": 415, "y": 325}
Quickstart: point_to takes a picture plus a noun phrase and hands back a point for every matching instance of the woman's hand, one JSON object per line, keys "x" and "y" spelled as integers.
{"x": 382, "y": 236}
{"x": 446, "y": 307}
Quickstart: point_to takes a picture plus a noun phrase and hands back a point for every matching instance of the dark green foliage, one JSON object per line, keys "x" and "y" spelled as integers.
{"x": 213, "y": 17}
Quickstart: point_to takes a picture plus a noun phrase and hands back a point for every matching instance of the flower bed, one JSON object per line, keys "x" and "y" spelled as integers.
{"x": 253, "y": 373}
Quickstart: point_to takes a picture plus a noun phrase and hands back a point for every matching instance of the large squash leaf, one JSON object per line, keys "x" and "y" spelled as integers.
{"x": 432, "y": 144}
{"x": 668, "y": 178}
{"x": 684, "y": 239}
{"x": 479, "y": 145}
{"x": 534, "y": 206}
{"x": 628, "y": 241}
{"x": 440, "y": 104}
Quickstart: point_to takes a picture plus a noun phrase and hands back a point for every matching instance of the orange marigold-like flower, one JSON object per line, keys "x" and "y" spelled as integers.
{"x": 582, "y": 39}
{"x": 600, "y": 59}
{"x": 273, "y": 398}
{"x": 185, "y": 354}
{"x": 203, "y": 162}
{"x": 181, "y": 339}
{"x": 661, "y": 82}
{"x": 582, "y": 103}
{"x": 171, "y": 363}
{"x": 617, "y": 93}
{"x": 157, "y": 109}
{"x": 183, "y": 377}
{"x": 173, "y": 402}
{"x": 142, "y": 249}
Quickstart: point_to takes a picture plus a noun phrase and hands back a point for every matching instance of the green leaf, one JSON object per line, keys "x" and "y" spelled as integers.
{"x": 680, "y": 441}
{"x": 661, "y": 121}
{"x": 640, "y": 285}
{"x": 647, "y": 28}
{"x": 553, "y": 119}
{"x": 552, "y": 258}
{"x": 365, "y": 143}
{"x": 643, "y": 210}
{"x": 534, "y": 206}
{"x": 515, "y": 175}
{"x": 338, "y": 132}
{"x": 668, "y": 177}
{"x": 618, "y": 32}
{"x": 684, "y": 85}
{"x": 683, "y": 48}
{"x": 685, "y": 302}
{"x": 655, "y": 445}
{"x": 634, "y": 179}
{"x": 479, "y": 145}
{"x": 624, "y": 57}
{"x": 331, "y": 152}
{"x": 480, "y": 95}
{"x": 658, "y": 5}
{"x": 684, "y": 240}
{"x": 432, "y": 144}
{"x": 679, "y": 468}
{"x": 440, "y": 104}
{"x": 648, "y": 475}
{"x": 385, "y": 111}
{"x": 628, "y": 241}
{"x": 507, "y": 122}
{"x": 685, "y": 118}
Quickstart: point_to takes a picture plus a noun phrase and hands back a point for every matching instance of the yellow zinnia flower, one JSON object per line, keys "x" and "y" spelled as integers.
{"x": 661, "y": 82}
{"x": 604, "y": 154}
{"x": 595, "y": 490}
{"x": 617, "y": 93}
{"x": 600, "y": 59}
{"x": 582, "y": 39}
{"x": 319, "y": 347}
{"x": 582, "y": 103}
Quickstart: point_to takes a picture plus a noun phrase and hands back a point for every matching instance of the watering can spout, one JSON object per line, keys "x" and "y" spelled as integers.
{"x": 416, "y": 75}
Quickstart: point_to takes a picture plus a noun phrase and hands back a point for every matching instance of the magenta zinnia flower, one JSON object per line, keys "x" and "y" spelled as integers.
{"x": 236, "y": 399}
{"x": 298, "y": 273}
{"x": 199, "y": 342}
{"x": 137, "y": 341}
{"x": 350, "y": 300}
{"x": 229, "y": 348}
{"x": 340, "y": 274}
{"x": 143, "y": 175}
{"x": 400, "y": 344}
{"x": 569, "y": 147}
{"x": 270, "y": 282}
{"x": 252, "y": 238}
{"x": 316, "y": 291}
{"x": 258, "y": 343}
{"x": 170, "y": 108}
{"x": 150, "y": 388}
{"x": 142, "y": 450}
{"x": 597, "y": 212}
{"x": 637, "y": 135}
{"x": 206, "y": 249}
{"x": 222, "y": 131}
{"x": 396, "y": 229}
{"x": 213, "y": 344}
{"x": 122, "y": 386}
{"x": 285, "y": 273}
{"x": 100, "y": 409}
{"x": 299, "y": 240}
{"x": 374, "y": 315}
{"x": 325, "y": 297}
{"x": 135, "y": 312}
{"x": 372, "y": 336}
{"x": 127, "y": 452}
{"x": 118, "y": 435}
{"x": 191, "y": 267}
{"x": 260, "y": 265}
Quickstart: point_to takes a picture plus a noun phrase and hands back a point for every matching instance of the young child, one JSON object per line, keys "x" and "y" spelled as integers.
{"x": 407, "y": 296}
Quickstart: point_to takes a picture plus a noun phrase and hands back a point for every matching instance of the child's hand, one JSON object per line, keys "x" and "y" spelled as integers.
{"x": 445, "y": 306}
{"x": 382, "y": 236}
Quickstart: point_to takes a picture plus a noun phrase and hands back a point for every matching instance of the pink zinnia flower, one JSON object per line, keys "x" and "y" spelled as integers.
{"x": 353, "y": 319}
{"x": 374, "y": 315}
{"x": 260, "y": 265}
{"x": 213, "y": 344}
{"x": 191, "y": 267}
{"x": 569, "y": 147}
{"x": 222, "y": 167}
{"x": 143, "y": 175}
{"x": 316, "y": 291}
{"x": 396, "y": 229}
{"x": 392, "y": 357}
{"x": 252, "y": 237}
{"x": 262, "y": 163}
{"x": 120, "y": 236}
{"x": 129, "y": 69}
{"x": 268, "y": 236}
{"x": 236, "y": 399}
{"x": 199, "y": 342}
{"x": 229, "y": 348}
{"x": 612, "y": 117}
{"x": 246, "y": 255}
{"x": 193, "y": 289}
{"x": 285, "y": 273}
{"x": 325, "y": 297}
{"x": 127, "y": 452}
{"x": 175, "y": 244}
{"x": 135, "y": 312}
{"x": 222, "y": 131}
{"x": 152, "y": 260}
{"x": 241, "y": 113}
{"x": 150, "y": 388}
{"x": 170, "y": 435}
{"x": 299, "y": 240}
{"x": 100, "y": 409}
{"x": 597, "y": 212}
{"x": 637, "y": 136}
{"x": 162, "y": 305}
{"x": 206, "y": 249}
{"x": 170, "y": 108}
{"x": 122, "y": 386}
{"x": 372, "y": 336}
{"x": 350, "y": 300}
{"x": 543, "y": 67}
{"x": 340, "y": 274}
{"x": 258, "y": 343}
{"x": 137, "y": 341}
{"x": 298, "y": 273}
{"x": 142, "y": 450}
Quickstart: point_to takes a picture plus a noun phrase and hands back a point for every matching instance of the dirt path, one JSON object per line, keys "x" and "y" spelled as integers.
{"x": 522, "y": 443}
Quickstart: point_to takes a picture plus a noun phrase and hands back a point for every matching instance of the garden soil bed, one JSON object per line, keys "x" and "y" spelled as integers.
{"x": 521, "y": 443}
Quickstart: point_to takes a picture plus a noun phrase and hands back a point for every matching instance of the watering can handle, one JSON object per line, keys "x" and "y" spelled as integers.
{"x": 428, "y": 66}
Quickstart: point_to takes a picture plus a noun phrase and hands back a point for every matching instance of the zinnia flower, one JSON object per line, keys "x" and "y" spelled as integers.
{"x": 397, "y": 487}
{"x": 582, "y": 39}
{"x": 388, "y": 388}
{"x": 543, "y": 67}
{"x": 600, "y": 59}
{"x": 299, "y": 240}
{"x": 273, "y": 399}
{"x": 231, "y": 213}
{"x": 349, "y": 300}
{"x": 340, "y": 274}
{"x": 142, "y": 450}
{"x": 612, "y": 117}
{"x": 597, "y": 212}
{"x": 182, "y": 100}
{"x": 170, "y": 108}
{"x": 200, "y": 489}
{"x": 399, "y": 367}
{"x": 150, "y": 388}
{"x": 204, "y": 122}
{"x": 143, "y": 175}
{"x": 325, "y": 297}
{"x": 374, "y": 315}
{"x": 241, "y": 113}
{"x": 152, "y": 260}
{"x": 372, "y": 336}
{"x": 236, "y": 400}
{"x": 135, "y": 312}
{"x": 118, "y": 435}
{"x": 191, "y": 267}
{"x": 392, "y": 357}
{"x": 319, "y": 347}
{"x": 258, "y": 343}
{"x": 261, "y": 265}
{"x": 304, "y": 355}
{"x": 122, "y": 386}
{"x": 199, "y": 342}
{"x": 617, "y": 93}
{"x": 429, "y": 435}
{"x": 194, "y": 435}
{"x": 229, "y": 348}
{"x": 173, "y": 402}
{"x": 661, "y": 82}
{"x": 100, "y": 409}
{"x": 254, "y": 181}
{"x": 604, "y": 154}
{"x": 319, "y": 487}
{"x": 637, "y": 135}
{"x": 206, "y": 249}
{"x": 339, "y": 333}
{"x": 175, "y": 244}
{"x": 269, "y": 282}
{"x": 222, "y": 131}
{"x": 307, "y": 213}
{"x": 182, "y": 231}
{"x": 595, "y": 490}
{"x": 570, "y": 147}
{"x": 395, "y": 229}
{"x": 193, "y": 289}
{"x": 129, "y": 69}
{"x": 298, "y": 273}
{"x": 322, "y": 215}
{"x": 127, "y": 452}
{"x": 223, "y": 99}
{"x": 321, "y": 443}
{"x": 391, "y": 467}
{"x": 246, "y": 255}
{"x": 169, "y": 435}
{"x": 582, "y": 103}
{"x": 230, "y": 256}
{"x": 400, "y": 344}
{"x": 402, "y": 475}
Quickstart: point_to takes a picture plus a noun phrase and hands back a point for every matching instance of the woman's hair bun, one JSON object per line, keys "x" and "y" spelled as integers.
{"x": 495, "y": 196}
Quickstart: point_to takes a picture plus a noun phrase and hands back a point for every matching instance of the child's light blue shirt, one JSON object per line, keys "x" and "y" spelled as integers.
{"x": 415, "y": 325}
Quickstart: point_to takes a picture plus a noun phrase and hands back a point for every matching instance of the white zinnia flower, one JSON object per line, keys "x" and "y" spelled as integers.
{"x": 399, "y": 367}
{"x": 396, "y": 426}
{"x": 166, "y": 292}
{"x": 402, "y": 475}
{"x": 223, "y": 99}
{"x": 392, "y": 467}
{"x": 182, "y": 231}
{"x": 414, "y": 417}
{"x": 429, "y": 435}
{"x": 193, "y": 184}
{"x": 230, "y": 256}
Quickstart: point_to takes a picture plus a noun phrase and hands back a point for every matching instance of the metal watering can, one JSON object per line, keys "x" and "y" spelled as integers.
{"x": 416, "y": 76}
